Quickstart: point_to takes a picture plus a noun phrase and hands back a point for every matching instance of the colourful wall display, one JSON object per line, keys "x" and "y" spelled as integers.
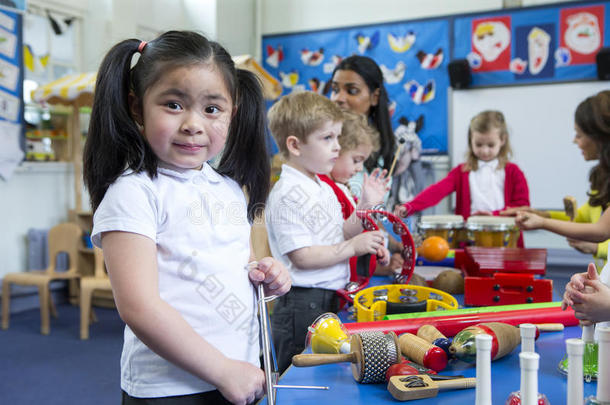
{"x": 412, "y": 55}
{"x": 546, "y": 44}
{"x": 553, "y": 43}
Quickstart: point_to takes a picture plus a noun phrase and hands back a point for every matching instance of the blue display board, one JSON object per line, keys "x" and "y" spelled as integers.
{"x": 11, "y": 67}
{"x": 413, "y": 56}
{"x": 546, "y": 44}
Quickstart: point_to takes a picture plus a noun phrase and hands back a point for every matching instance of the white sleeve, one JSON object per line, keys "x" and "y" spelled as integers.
{"x": 287, "y": 227}
{"x": 129, "y": 205}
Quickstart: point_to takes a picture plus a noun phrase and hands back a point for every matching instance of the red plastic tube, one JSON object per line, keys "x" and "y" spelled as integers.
{"x": 451, "y": 325}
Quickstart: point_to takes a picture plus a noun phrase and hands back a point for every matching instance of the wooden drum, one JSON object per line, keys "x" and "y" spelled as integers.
{"x": 491, "y": 231}
{"x": 448, "y": 227}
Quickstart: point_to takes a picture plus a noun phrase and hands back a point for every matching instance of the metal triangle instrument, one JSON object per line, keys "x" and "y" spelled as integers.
{"x": 269, "y": 358}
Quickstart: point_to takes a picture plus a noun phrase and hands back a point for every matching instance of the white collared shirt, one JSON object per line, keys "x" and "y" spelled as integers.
{"x": 486, "y": 187}
{"x": 197, "y": 218}
{"x": 303, "y": 212}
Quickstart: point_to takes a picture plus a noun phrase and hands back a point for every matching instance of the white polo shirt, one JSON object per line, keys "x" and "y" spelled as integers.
{"x": 198, "y": 221}
{"x": 303, "y": 212}
{"x": 486, "y": 187}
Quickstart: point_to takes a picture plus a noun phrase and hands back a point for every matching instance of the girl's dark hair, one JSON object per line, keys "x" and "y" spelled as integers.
{"x": 114, "y": 142}
{"x": 370, "y": 72}
{"x": 593, "y": 117}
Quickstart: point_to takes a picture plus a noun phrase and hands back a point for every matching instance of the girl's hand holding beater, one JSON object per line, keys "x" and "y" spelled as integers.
{"x": 273, "y": 274}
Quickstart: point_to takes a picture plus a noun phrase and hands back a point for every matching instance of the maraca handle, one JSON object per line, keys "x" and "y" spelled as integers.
{"x": 458, "y": 383}
{"x": 550, "y": 327}
{"x": 308, "y": 360}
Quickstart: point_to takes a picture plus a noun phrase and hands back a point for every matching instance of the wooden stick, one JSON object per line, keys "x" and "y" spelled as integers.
{"x": 400, "y": 143}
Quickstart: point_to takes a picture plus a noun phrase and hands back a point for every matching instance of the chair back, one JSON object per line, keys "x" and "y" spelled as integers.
{"x": 65, "y": 237}
{"x": 99, "y": 265}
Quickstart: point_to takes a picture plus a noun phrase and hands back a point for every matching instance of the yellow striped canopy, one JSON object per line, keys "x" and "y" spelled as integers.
{"x": 77, "y": 89}
{"x": 74, "y": 89}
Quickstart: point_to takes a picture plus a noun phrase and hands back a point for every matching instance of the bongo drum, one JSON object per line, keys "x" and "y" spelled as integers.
{"x": 448, "y": 227}
{"x": 491, "y": 231}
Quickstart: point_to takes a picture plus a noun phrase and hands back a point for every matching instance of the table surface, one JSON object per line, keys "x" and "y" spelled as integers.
{"x": 505, "y": 376}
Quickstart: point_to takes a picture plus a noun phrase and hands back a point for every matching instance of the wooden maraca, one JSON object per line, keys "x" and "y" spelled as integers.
{"x": 505, "y": 338}
{"x": 372, "y": 353}
{"x": 570, "y": 206}
{"x": 432, "y": 335}
{"x": 422, "y": 352}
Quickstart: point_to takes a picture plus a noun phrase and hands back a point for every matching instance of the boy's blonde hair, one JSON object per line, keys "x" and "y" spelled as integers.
{"x": 484, "y": 122}
{"x": 356, "y": 131}
{"x": 300, "y": 114}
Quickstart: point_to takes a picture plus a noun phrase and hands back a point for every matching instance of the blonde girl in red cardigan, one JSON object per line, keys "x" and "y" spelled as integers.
{"x": 487, "y": 182}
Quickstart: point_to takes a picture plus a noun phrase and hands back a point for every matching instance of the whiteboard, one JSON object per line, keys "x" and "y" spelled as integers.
{"x": 540, "y": 122}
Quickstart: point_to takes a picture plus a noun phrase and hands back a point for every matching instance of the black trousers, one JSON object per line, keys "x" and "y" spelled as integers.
{"x": 292, "y": 314}
{"x": 203, "y": 398}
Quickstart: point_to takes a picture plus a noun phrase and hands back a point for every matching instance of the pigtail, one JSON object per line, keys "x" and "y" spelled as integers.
{"x": 246, "y": 155}
{"x": 113, "y": 141}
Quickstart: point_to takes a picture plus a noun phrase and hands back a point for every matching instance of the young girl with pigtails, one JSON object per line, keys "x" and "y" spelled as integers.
{"x": 175, "y": 231}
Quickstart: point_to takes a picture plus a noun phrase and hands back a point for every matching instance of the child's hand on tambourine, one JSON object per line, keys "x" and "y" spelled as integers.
{"x": 383, "y": 256}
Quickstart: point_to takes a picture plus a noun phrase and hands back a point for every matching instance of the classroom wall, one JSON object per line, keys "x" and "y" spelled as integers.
{"x": 540, "y": 120}
{"x": 40, "y": 196}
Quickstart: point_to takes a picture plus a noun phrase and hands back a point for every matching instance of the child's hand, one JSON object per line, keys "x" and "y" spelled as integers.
{"x": 242, "y": 383}
{"x": 374, "y": 188}
{"x": 575, "y": 288}
{"x": 273, "y": 274}
{"x": 383, "y": 256}
{"x": 396, "y": 261}
{"x": 582, "y": 246}
{"x": 512, "y": 211}
{"x": 595, "y": 302}
{"x": 483, "y": 213}
{"x": 400, "y": 211}
{"x": 528, "y": 220}
{"x": 367, "y": 242}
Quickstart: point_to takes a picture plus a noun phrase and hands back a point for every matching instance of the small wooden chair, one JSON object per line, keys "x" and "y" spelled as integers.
{"x": 99, "y": 281}
{"x": 258, "y": 238}
{"x": 65, "y": 237}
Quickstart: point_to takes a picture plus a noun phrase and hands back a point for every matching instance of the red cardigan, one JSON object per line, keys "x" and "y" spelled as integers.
{"x": 516, "y": 191}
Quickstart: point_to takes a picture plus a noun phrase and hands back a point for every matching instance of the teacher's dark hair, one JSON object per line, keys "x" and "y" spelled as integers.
{"x": 379, "y": 114}
{"x": 593, "y": 117}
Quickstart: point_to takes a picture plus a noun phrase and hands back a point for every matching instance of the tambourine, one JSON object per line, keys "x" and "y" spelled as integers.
{"x": 369, "y": 220}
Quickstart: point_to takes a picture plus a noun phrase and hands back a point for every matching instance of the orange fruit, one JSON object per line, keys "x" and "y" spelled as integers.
{"x": 434, "y": 248}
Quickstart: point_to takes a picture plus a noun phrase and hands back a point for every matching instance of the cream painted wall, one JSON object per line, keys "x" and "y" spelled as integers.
{"x": 40, "y": 195}
{"x": 282, "y": 16}
{"x": 37, "y": 196}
